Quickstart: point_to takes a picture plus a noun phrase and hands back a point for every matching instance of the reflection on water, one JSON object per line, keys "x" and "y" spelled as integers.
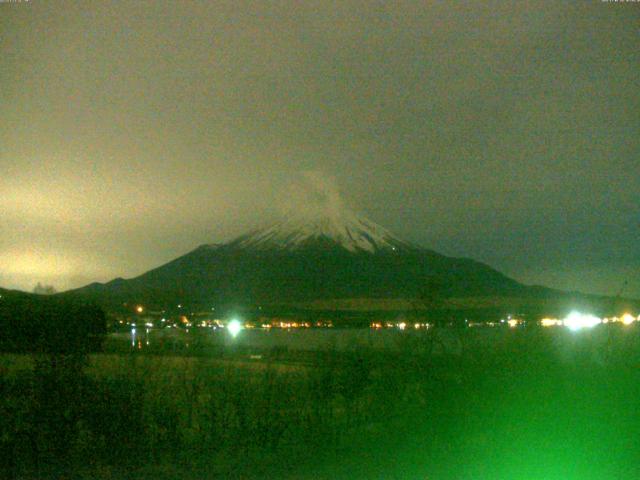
{"x": 136, "y": 340}
{"x": 208, "y": 341}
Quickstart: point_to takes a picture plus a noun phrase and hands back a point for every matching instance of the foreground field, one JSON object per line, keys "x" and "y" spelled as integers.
{"x": 534, "y": 405}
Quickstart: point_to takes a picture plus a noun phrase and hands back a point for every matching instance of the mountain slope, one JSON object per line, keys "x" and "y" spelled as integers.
{"x": 304, "y": 260}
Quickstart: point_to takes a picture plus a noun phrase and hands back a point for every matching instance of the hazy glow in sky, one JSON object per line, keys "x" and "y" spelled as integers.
{"x": 133, "y": 132}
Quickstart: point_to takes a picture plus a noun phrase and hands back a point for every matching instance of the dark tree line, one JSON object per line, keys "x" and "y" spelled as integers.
{"x": 50, "y": 325}
{"x": 45, "y": 409}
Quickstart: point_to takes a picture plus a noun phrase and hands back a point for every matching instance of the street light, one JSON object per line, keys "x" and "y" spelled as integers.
{"x": 234, "y": 327}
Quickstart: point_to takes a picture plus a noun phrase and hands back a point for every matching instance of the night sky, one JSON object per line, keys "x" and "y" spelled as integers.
{"x": 133, "y": 132}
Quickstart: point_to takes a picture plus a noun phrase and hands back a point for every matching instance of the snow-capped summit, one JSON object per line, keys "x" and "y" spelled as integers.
{"x": 343, "y": 228}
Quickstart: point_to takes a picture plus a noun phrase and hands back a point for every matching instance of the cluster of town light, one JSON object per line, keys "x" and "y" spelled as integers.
{"x": 578, "y": 321}
{"x": 574, "y": 321}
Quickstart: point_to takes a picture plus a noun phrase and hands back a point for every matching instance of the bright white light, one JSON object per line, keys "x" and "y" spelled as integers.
{"x": 627, "y": 319}
{"x": 576, "y": 321}
{"x": 402, "y": 325}
{"x": 234, "y": 327}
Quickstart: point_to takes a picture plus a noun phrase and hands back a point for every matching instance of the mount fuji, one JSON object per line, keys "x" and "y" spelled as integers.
{"x": 306, "y": 260}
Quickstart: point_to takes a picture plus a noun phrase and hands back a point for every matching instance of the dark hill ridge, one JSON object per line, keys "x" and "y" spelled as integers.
{"x": 13, "y": 294}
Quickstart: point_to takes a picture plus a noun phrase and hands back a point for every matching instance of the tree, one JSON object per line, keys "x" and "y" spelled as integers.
{"x": 59, "y": 333}
{"x": 40, "y": 289}
{"x": 51, "y": 326}
{"x": 430, "y": 297}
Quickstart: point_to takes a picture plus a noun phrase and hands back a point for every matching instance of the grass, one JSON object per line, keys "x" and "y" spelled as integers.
{"x": 532, "y": 404}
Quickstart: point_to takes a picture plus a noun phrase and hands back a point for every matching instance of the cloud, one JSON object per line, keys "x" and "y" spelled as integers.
{"x": 458, "y": 126}
{"x": 311, "y": 193}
